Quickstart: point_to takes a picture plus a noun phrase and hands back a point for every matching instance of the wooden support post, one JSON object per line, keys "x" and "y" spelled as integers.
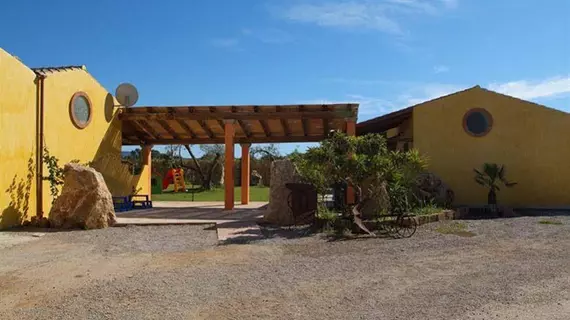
{"x": 229, "y": 132}
{"x": 147, "y": 161}
{"x": 351, "y": 131}
{"x": 245, "y": 174}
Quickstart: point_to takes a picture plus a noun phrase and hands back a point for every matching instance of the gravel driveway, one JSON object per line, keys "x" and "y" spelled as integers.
{"x": 512, "y": 269}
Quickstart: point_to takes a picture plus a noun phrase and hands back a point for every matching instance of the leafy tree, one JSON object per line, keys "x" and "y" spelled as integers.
{"x": 268, "y": 151}
{"x": 211, "y": 150}
{"x": 491, "y": 176}
{"x": 362, "y": 162}
{"x": 213, "y": 154}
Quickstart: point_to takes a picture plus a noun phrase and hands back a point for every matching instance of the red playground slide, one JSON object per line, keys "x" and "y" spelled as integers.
{"x": 168, "y": 179}
{"x": 175, "y": 177}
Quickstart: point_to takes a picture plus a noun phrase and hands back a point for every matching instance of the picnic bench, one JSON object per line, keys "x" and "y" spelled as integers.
{"x": 130, "y": 202}
{"x": 122, "y": 204}
{"x": 140, "y": 201}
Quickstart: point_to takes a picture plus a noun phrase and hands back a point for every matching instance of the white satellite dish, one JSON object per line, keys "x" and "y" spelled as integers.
{"x": 127, "y": 94}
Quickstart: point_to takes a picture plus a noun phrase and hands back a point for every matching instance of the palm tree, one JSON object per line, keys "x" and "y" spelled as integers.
{"x": 490, "y": 177}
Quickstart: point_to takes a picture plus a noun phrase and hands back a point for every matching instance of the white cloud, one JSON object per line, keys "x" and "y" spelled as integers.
{"x": 384, "y": 16}
{"x": 372, "y": 106}
{"x": 225, "y": 42}
{"x": 524, "y": 89}
{"x": 440, "y": 69}
{"x": 427, "y": 92}
{"x": 414, "y": 93}
{"x": 348, "y": 14}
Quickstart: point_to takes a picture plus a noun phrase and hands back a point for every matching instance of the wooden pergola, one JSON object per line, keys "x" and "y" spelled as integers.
{"x": 148, "y": 126}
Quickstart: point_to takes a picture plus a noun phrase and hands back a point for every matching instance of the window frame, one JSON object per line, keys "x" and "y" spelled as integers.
{"x": 487, "y": 116}
{"x": 76, "y": 122}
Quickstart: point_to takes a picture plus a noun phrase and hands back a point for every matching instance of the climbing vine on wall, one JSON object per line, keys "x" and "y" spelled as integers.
{"x": 55, "y": 173}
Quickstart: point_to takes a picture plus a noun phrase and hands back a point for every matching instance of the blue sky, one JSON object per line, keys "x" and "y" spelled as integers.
{"x": 383, "y": 54}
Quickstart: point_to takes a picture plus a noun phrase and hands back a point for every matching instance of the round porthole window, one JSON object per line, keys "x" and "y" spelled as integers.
{"x": 80, "y": 110}
{"x": 477, "y": 122}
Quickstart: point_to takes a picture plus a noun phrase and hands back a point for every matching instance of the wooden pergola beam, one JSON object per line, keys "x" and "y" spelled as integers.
{"x": 253, "y": 139}
{"x": 262, "y": 121}
{"x": 169, "y": 129}
{"x": 139, "y": 138}
{"x": 326, "y": 123}
{"x": 150, "y": 129}
{"x": 284, "y": 123}
{"x": 241, "y": 124}
{"x": 133, "y": 141}
{"x": 186, "y": 127}
{"x": 135, "y": 116}
{"x": 143, "y": 126}
{"x": 220, "y": 121}
{"x": 304, "y": 122}
{"x": 206, "y": 129}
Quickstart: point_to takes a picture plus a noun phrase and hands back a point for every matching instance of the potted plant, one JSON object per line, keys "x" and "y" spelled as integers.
{"x": 490, "y": 176}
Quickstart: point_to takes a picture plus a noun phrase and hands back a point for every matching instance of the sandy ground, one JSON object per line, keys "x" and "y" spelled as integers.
{"x": 512, "y": 269}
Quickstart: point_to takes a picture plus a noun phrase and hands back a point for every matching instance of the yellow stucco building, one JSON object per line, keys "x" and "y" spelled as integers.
{"x": 66, "y": 111}
{"x": 463, "y": 130}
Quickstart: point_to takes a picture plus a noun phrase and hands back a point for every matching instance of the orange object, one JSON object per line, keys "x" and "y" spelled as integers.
{"x": 245, "y": 166}
{"x": 176, "y": 177}
{"x": 229, "y": 132}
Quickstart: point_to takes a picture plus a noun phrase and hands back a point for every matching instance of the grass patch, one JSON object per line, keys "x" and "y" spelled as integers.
{"x": 455, "y": 228}
{"x": 255, "y": 194}
{"x": 554, "y": 222}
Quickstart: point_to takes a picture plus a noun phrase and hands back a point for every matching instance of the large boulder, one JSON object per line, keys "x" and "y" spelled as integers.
{"x": 85, "y": 201}
{"x": 431, "y": 188}
{"x": 282, "y": 172}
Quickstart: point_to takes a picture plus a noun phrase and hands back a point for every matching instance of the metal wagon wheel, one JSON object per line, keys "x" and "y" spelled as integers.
{"x": 404, "y": 227}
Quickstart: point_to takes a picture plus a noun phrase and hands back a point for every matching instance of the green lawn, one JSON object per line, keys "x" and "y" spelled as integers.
{"x": 255, "y": 194}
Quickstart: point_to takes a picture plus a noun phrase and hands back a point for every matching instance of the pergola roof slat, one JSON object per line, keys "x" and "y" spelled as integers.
{"x": 253, "y": 124}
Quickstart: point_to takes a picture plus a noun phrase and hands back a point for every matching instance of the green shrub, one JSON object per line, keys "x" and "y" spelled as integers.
{"x": 425, "y": 209}
{"x": 364, "y": 163}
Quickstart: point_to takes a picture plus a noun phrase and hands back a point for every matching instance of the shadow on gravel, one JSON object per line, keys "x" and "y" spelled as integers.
{"x": 272, "y": 232}
{"x": 27, "y": 229}
{"x": 357, "y": 237}
{"x": 298, "y": 232}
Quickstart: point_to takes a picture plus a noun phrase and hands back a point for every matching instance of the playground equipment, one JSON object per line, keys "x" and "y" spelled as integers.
{"x": 175, "y": 177}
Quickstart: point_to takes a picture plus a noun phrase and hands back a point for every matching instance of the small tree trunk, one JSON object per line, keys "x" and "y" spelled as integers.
{"x": 207, "y": 181}
{"x": 357, "y": 215}
{"x": 492, "y": 200}
{"x": 196, "y": 164}
{"x": 492, "y": 197}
